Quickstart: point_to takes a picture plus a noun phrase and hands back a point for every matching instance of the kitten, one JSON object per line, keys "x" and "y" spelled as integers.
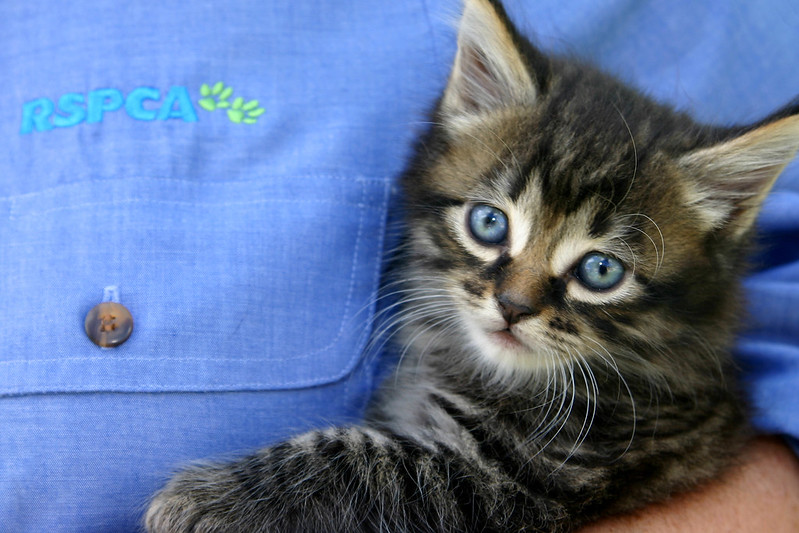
{"x": 571, "y": 277}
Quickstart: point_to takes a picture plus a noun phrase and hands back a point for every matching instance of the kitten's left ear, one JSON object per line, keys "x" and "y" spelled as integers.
{"x": 490, "y": 70}
{"x": 732, "y": 179}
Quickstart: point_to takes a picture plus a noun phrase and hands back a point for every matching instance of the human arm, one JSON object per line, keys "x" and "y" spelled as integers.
{"x": 761, "y": 493}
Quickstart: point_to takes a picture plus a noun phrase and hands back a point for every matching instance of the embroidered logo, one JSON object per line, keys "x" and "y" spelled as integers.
{"x": 142, "y": 103}
{"x": 217, "y": 97}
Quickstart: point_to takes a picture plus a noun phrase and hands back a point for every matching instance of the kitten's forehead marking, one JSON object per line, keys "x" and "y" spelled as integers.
{"x": 533, "y": 236}
{"x": 525, "y": 216}
{"x": 567, "y": 242}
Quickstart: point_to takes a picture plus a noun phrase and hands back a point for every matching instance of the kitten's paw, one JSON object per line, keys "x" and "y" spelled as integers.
{"x": 192, "y": 501}
{"x": 171, "y": 512}
{"x": 166, "y": 513}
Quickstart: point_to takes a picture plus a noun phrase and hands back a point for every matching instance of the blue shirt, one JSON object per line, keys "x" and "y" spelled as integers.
{"x": 230, "y": 168}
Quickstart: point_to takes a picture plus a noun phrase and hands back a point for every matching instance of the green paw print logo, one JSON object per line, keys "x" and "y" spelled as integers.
{"x": 238, "y": 111}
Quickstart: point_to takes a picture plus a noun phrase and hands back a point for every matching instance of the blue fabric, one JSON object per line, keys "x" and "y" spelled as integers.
{"x": 247, "y": 243}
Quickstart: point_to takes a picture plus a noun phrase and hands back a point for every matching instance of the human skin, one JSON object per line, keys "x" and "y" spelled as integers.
{"x": 760, "y": 493}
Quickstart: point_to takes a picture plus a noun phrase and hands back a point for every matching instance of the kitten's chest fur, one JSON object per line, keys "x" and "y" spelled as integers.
{"x": 596, "y": 445}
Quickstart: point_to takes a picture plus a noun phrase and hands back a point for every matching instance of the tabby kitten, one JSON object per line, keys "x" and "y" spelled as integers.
{"x": 570, "y": 293}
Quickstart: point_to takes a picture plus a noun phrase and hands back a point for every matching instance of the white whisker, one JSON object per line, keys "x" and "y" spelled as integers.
{"x": 635, "y": 156}
{"x": 611, "y": 361}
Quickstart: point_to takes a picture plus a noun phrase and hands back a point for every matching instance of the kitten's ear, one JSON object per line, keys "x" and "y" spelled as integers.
{"x": 732, "y": 178}
{"x": 489, "y": 69}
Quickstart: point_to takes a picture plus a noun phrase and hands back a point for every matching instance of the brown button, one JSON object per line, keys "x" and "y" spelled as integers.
{"x": 108, "y": 324}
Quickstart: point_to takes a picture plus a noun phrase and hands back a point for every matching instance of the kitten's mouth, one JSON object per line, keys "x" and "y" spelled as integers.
{"x": 506, "y": 339}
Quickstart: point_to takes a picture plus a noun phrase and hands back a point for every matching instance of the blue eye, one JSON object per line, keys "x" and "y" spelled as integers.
{"x": 599, "y": 272}
{"x": 488, "y": 224}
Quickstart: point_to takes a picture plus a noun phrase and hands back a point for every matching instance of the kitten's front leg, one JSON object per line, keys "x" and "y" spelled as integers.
{"x": 289, "y": 487}
{"x": 354, "y": 480}
{"x": 197, "y": 499}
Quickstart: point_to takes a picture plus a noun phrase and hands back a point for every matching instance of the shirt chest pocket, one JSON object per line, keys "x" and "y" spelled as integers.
{"x": 261, "y": 284}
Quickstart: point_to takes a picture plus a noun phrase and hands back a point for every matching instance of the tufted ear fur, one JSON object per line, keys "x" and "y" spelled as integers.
{"x": 489, "y": 69}
{"x": 732, "y": 179}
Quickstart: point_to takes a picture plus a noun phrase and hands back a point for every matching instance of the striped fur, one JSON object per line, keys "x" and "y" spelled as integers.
{"x": 589, "y": 402}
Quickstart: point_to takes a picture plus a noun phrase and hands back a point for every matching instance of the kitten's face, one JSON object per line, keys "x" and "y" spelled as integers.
{"x": 537, "y": 273}
{"x": 558, "y": 216}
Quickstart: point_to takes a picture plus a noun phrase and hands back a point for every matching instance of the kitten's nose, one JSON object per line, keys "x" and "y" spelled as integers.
{"x": 515, "y": 308}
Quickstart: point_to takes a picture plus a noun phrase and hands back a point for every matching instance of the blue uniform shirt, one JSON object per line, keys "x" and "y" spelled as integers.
{"x": 229, "y": 168}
